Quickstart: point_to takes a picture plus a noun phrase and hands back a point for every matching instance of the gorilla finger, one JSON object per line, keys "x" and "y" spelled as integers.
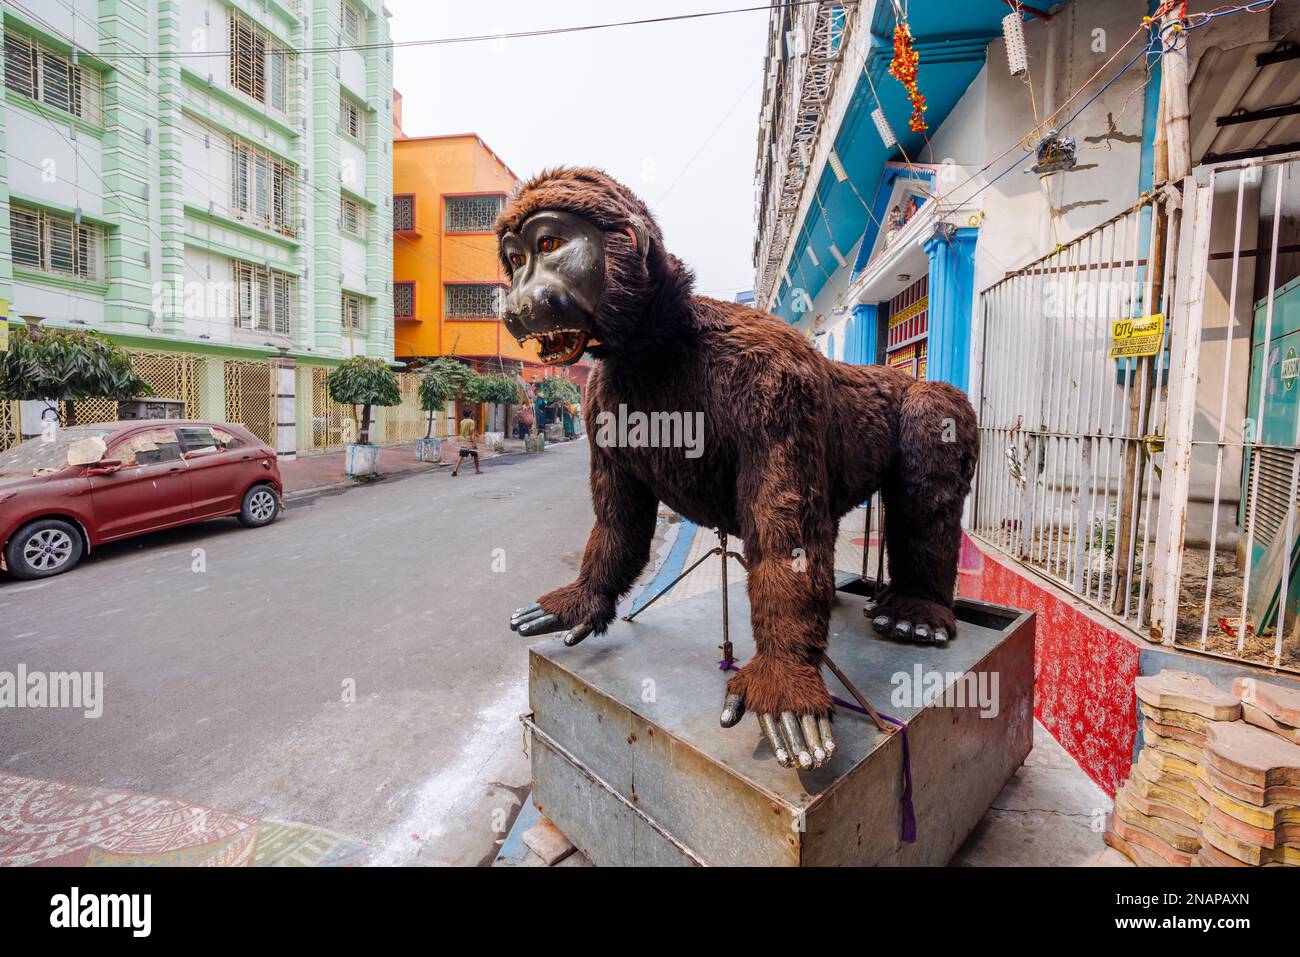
{"x": 828, "y": 744}
{"x": 903, "y": 630}
{"x": 883, "y": 624}
{"x": 733, "y": 709}
{"x": 808, "y": 724}
{"x": 940, "y": 636}
{"x": 768, "y": 724}
{"x": 922, "y": 634}
{"x": 524, "y": 612}
{"x": 540, "y": 626}
{"x": 794, "y": 738}
{"x": 575, "y": 635}
{"x": 517, "y": 623}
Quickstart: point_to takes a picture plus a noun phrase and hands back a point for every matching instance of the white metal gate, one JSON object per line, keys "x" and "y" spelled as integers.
{"x": 1161, "y": 488}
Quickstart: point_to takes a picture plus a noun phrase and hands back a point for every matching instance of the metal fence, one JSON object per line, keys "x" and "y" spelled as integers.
{"x": 1150, "y": 466}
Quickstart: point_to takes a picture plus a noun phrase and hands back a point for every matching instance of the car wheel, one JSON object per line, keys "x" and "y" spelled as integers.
{"x": 261, "y": 506}
{"x": 48, "y": 546}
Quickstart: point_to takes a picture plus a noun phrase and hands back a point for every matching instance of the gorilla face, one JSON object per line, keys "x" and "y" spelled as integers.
{"x": 557, "y": 278}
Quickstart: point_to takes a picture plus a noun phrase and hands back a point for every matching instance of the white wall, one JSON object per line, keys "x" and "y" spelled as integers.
{"x": 54, "y": 305}
{"x": 352, "y": 73}
{"x": 352, "y": 167}
{"x": 208, "y": 295}
{"x": 76, "y": 19}
{"x": 206, "y": 175}
{"x": 353, "y": 253}
{"x": 45, "y": 164}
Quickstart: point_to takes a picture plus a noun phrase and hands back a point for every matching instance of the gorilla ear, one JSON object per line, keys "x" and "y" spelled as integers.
{"x": 640, "y": 237}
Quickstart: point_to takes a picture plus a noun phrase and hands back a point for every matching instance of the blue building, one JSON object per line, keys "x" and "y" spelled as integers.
{"x": 876, "y": 240}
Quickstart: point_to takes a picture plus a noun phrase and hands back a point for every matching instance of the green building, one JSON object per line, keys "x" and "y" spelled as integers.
{"x": 209, "y": 183}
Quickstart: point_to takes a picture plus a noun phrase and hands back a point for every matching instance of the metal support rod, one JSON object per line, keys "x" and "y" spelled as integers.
{"x": 858, "y": 696}
{"x": 721, "y": 549}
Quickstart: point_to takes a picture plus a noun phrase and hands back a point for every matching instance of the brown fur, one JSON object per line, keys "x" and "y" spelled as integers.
{"x": 792, "y": 441}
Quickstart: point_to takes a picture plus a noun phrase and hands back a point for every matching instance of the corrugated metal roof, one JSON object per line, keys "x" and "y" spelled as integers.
{"x": 1246, "y": 100}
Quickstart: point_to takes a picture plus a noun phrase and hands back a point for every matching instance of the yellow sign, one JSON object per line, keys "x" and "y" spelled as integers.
{"x": 4, "y": 325}
{"x": 1137, "y": 337}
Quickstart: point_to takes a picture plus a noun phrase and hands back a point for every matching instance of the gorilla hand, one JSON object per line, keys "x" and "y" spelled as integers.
{"x": 533, "y": 620}
{"x": 793, "y": 708}
{"x": 576, "y": 609}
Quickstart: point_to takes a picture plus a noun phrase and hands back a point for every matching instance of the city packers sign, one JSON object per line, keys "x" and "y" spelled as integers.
{"x": 1137, "y": 337}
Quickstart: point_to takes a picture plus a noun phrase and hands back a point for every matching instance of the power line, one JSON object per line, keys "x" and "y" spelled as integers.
{"x": 487, "y": 37}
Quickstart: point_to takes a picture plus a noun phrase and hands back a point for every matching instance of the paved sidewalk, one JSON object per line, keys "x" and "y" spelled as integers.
{"x": 49, "y": 823}
{"x": 324, "y": 471}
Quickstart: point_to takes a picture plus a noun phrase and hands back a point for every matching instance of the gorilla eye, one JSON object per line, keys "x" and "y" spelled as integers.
{"x": 516, "y": 260}
{"x": 548, "y": 244}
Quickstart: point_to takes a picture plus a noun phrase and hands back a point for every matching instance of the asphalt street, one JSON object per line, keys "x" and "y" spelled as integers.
{"x": 348, "y": 667}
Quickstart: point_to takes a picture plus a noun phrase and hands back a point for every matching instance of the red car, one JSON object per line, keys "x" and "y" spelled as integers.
{"x": 91, "y": 484}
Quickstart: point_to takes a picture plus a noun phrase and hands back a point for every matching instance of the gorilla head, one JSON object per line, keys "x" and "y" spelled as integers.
{"x": 585, "y": 258}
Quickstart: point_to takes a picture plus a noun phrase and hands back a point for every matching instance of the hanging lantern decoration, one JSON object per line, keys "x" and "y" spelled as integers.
{"x": 903, "y": 69}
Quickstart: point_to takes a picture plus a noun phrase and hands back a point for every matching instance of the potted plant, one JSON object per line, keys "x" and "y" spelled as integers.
{"x": 63, "y": 366}
{"x": 365, "y": 382}
{"x": 438, "y": 385}
{"x": 496, "y": 389}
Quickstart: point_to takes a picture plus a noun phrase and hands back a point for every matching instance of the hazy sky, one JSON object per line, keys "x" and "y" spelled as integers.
{"x": 670, "y": 109}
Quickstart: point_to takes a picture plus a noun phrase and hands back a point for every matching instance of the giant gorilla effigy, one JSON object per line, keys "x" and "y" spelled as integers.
{"x": 791, "y": 442}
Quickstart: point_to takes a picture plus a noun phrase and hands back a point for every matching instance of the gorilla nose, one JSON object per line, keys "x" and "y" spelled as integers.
{"x": 538, "y": 308}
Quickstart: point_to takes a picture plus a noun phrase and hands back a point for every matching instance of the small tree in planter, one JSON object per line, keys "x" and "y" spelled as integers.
{"x": 437, "y": 387}
{"x": 365, "y": 382}
{"x": 67, "y": 366}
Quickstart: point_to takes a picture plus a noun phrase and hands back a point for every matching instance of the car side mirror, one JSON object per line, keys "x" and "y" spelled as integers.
{"x": 105, "y": 467}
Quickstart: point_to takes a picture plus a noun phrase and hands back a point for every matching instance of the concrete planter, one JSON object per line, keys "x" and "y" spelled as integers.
{"x": 428, "y": 450}
{"x": 534, "y": 442}
{"x": 362, "y": 460}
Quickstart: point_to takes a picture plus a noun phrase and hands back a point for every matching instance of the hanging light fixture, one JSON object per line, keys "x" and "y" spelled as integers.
{"x": 882, "y": 127}
{"x": 1013, "y": 32}
{"x": 837, "y": 167}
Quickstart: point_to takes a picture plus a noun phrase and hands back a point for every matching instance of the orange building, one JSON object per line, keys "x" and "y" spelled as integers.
{"x": 448, "y": 282}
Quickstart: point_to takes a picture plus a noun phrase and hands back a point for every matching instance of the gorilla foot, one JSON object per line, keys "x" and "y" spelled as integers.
{"x": 904, "y": 618}
{"x": 534, "y": 620}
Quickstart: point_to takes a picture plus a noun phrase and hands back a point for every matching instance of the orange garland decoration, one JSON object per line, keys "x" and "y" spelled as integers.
{"x": 903, "y": 69}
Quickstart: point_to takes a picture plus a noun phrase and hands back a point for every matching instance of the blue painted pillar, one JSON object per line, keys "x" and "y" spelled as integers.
{"x": 860, "y": 349}
{"x": 952, "y": 280}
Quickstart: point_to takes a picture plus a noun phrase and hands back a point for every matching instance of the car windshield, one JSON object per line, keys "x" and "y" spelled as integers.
{"x": 42, "y": 453}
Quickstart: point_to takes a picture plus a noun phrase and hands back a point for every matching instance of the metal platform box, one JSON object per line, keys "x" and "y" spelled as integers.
{"x": 630, "y": 763}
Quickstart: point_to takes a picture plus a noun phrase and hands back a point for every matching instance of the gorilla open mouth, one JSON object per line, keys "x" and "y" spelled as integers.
{"x": 561, "y": 346}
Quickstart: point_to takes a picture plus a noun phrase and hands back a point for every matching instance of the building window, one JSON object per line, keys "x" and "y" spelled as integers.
{"x": 473, "y": 301}
{"x": 403, "y": 214}
{"x": 352, "y": 119}
{"x": 354, "y": 30}
{"x": 264, "y": 299}
{"x": 48, "y": 242}
{"x": 352, "y": 217}
{"x": 51, "y": 78}
{"x": 404, "y": 300}
{"x": 259, "y": 64}
{"x": 261, "y": 189}
{"x": 473, "y": 214}
{"x": 354, "y": 314}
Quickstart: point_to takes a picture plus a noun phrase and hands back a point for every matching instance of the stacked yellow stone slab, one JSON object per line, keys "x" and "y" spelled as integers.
{"x": 1159, "y": 812}
{"x": 1250, "y": 781}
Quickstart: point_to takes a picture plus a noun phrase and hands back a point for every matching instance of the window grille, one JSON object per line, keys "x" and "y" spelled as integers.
{"x": 472, "y": 214}
{"x": 353, "y": 20}
{"x": 260, "y": 65}
{"x": 404, "y": 300}
{"x": 51, "y": 78}
{"x": 264, "y": 299}
{"x": 262, "y": 189}
{"x": 473, "y": 301}
{"x": 352, "y": 120}
{"x": 51, "y": 243}
{"x": 403, "y": 213}
{"x": 352, "y": 216}
{"x": 354, "y": 314}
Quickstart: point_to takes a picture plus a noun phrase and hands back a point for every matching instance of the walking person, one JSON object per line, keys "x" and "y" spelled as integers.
{"x": 468, "y": 444}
